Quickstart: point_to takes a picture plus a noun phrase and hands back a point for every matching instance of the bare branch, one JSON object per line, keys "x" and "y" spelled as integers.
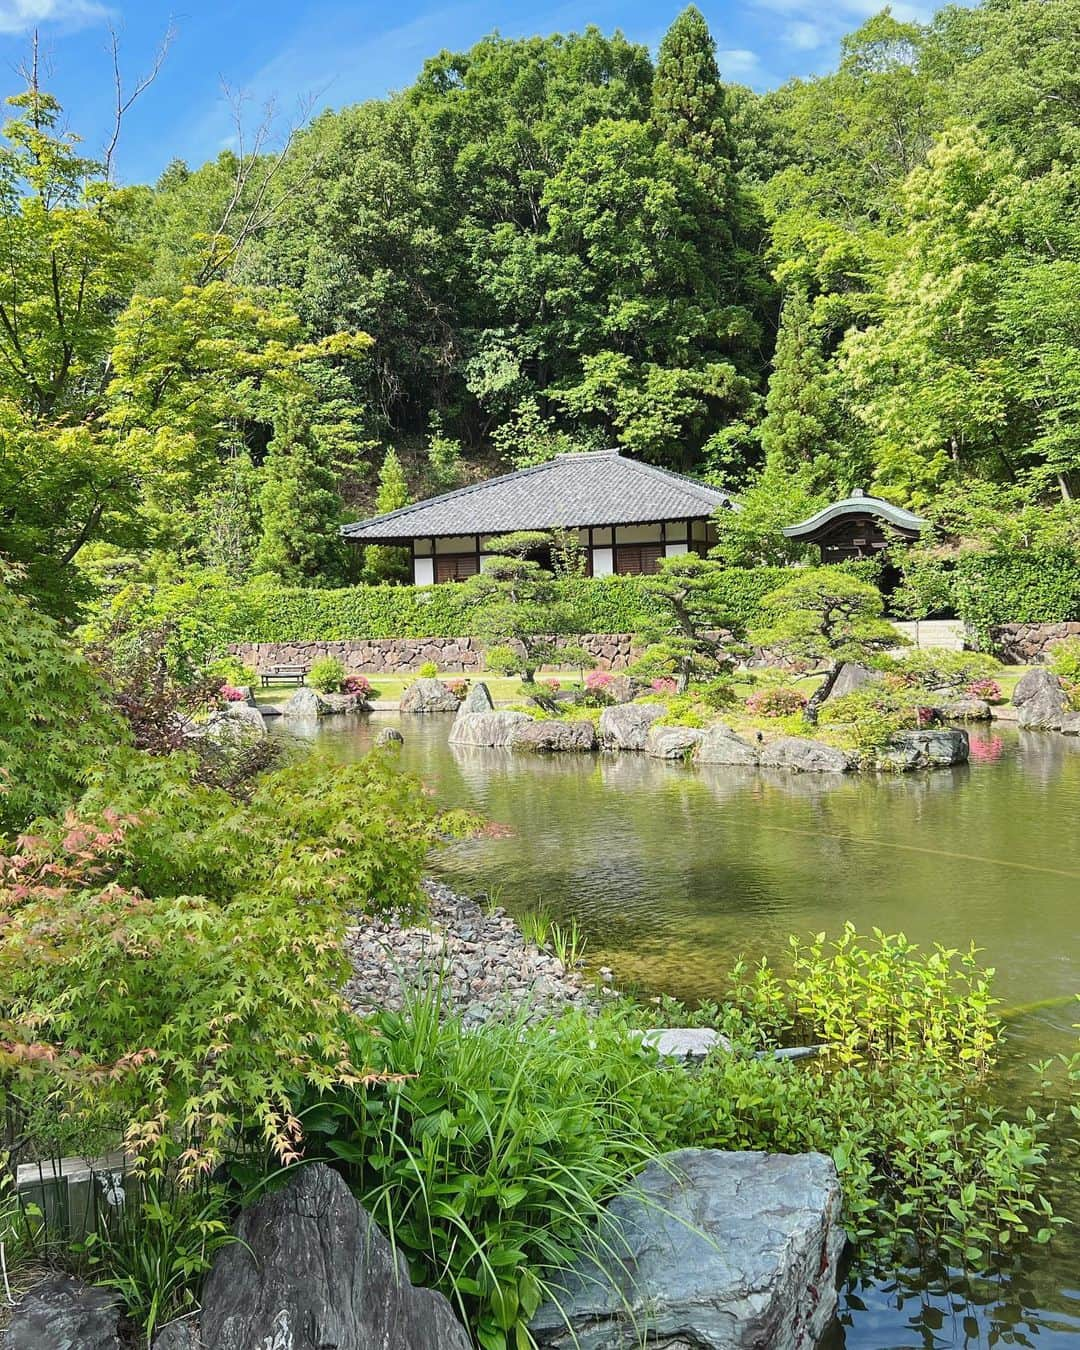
{"x": 123, "y": 104}
{"x": 247, "y": 213}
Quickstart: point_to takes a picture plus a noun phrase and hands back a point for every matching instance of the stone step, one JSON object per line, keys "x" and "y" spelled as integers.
{"x": 946, "y": 634}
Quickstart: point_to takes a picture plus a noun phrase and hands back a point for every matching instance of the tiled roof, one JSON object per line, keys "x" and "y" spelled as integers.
{"x": 858, "y": 504}
{"x": 598, "y": 488}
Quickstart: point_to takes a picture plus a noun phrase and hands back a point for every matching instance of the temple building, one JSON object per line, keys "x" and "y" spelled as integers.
{"x": 627, "y": 516}
{"x": 856, "y": 527}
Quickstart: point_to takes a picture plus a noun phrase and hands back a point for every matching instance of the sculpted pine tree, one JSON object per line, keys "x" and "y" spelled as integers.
{"x": 827, "y": 616}
{"x": 520, "y": 613}
{"x": 689, "y": 608}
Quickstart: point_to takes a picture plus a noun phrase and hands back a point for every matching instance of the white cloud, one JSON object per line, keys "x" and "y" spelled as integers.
{"x": 805, "y": 36}
{"x": 20, "y": 16}
{"x": 738, "y": 63}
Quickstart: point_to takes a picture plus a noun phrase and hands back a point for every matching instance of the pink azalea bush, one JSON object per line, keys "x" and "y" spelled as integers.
{"x": 598, "y": 680}
{"x": 779, "y": 702}
{"x": 358, "y": 685}
{"x": 664, "y": 685}
{"x": 552, "y": 686}
{"x": 989, "y": 690}
{"x": 459, "y": 688}
{"x": 231, "y": 694}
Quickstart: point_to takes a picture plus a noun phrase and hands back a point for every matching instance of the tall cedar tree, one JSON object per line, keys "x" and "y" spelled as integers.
{"x": 301, "y": 509}
{"x": 689, "y": 105}
{"x": 382, "y": 563}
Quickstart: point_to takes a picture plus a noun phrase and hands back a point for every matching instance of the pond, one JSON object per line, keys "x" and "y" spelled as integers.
{"x": 672, "y": 871}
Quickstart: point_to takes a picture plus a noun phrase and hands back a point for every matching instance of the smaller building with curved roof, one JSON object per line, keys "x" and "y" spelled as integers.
{"x": 858, "y": 526}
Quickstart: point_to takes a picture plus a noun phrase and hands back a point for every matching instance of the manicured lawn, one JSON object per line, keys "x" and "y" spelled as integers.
{"x": 389, "y": 688}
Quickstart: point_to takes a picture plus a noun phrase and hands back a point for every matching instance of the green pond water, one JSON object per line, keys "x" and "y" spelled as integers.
{"x": 672, "y": 871}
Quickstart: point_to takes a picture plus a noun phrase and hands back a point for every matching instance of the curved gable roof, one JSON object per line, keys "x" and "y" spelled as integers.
{"x": 600, "y": 487}
{"x": 858, "y": 504}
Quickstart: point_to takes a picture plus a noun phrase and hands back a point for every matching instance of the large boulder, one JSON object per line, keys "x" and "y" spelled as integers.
{"x": 801, "y": 755}
{"x": 550, "y": 735}
{"x": 929, "y": 749}
{"x": 344, "y": 703}
{"x": 1070, "y": 724}
{"x": 248, "y": 716}
{"x": 311, "y": 1269}
{"x": 477, "y": 700}
{"x": 62, "y": 1313}
{"x": 428, "y": 696}
{"x": 719, "y": 1251}
{"x": 964, "y": 709}
{"x": 852, "y": 676}
{"x": 179, "y": 1336}
{"x": 306, "y": 703}
{"x": 672, "y": 742}
{"x": 1040, "y": 701}
{"x": 623, "y": 688}
{"x": 389, "y": 736}
{"x": 625, "y": 726}
{"x": 492, "y": 731}
{"x": 721, "y": 745}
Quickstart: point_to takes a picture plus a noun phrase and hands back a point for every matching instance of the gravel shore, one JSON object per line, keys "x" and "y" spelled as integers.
{"x": 487, "y": 967}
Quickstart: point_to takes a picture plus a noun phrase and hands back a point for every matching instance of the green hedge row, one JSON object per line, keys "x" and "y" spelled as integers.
{"x": 990, "y": 589}
{"x": 603, "y": 605}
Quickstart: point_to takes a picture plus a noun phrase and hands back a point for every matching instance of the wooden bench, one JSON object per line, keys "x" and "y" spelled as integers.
{"x": 283, "y": 674}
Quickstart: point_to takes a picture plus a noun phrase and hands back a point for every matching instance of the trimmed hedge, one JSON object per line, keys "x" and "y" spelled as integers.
{"x": 990, "y": 589}
{"x": 604, "y": 605}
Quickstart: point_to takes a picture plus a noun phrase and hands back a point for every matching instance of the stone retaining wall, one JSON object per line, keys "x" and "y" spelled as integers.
{"x": 374, "y": 656}
{"x": 1028, "y": 644}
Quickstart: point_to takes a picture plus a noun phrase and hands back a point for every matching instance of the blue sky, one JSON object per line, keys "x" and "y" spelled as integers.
{"x": 331, "y": 52}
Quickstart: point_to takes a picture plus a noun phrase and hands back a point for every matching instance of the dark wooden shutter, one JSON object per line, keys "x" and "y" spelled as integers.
{"x": 632, "y": 560}
{"x": 456, "y": 567}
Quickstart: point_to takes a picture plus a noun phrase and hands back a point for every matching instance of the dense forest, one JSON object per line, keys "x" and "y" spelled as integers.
{"x": 871, "y": 278}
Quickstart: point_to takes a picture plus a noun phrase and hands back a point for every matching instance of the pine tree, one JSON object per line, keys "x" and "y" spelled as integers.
{"x": 301, "y": 509}
{"x": 382, "y": 563}
{"x": 689, "y": 106}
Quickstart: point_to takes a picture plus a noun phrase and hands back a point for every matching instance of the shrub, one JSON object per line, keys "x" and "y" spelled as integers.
{"x": 231, "y": 694}
{"x": 174, "y": 957}
{"x": 718, "y": 694}
{"x": 779, "y": 701}
{"x": 459, "y": 688}
{"x": 552, "y": 685}
{"x": 989, "y": 690}
{"x": 327, "y": 675}
{"x": 428, "y": 670}
{"x": 1065, "y": 660}
{"x": 874, "y": 714}
{"x": 664, "y": 685}
{"x": 597, "y": 684}
{"x": 501, "y": 660}
{"x": 232, "y": 671}
{"x": 488, "y": 1160}
{"x": 935, "y": 668}
{"x": 59, "y": 722}
{"x": 357, "y": 685}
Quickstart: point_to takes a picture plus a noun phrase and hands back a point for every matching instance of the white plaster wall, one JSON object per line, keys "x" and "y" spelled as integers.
{"x": 603, "y": 562}
{"x": 674, "y": 550}
{"x": 423, "y": 572}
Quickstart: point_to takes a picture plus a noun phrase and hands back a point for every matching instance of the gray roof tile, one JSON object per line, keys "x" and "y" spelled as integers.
{"x": 598, "y": 488}
{"x": 856, "y": 505}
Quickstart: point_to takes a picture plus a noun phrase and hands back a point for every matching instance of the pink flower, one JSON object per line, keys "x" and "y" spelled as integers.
{"x": 231, "y": 694}
{"x": 359, "y": 685}
{"x": 664, "y": 685}
{"x": 598, "y": 680}
{"x": 989, "y": 690}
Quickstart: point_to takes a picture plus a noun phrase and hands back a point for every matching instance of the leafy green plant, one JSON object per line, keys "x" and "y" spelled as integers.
{"x": 568, "y": 943}
{"x": 873, "y": 715}
{"x": 536, "y": 927}
{"x": 1065, "y": 664}
{"x": 689, "y": 608}
{"x": 428, "y": 670}
{"x": 174, "y": 958}
{"x": 154, "y": 1249}
{"x": 58, "y": 722}
{"x": 327, "y": 675}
